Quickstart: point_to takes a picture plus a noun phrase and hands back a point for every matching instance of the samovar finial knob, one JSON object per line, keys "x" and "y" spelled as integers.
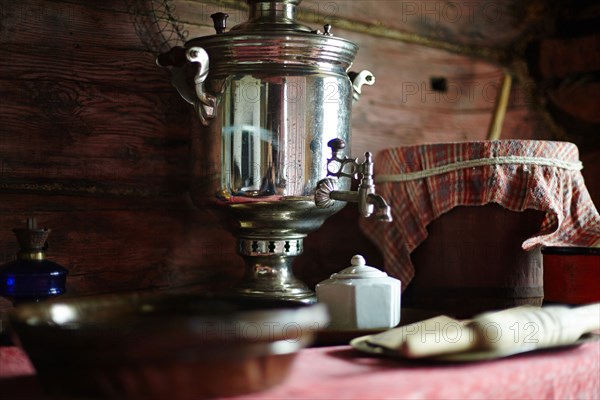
{"x": 220, "y": 21}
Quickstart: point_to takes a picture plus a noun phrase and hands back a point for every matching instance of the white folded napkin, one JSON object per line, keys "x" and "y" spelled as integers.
{"x": 508, "y": 331}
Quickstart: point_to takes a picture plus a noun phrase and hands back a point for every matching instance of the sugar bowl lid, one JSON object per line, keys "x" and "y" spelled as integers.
{"x": 359, "y": 270}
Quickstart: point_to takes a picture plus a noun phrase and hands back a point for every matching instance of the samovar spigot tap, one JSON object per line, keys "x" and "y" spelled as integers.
{"x": 338, "y": 166}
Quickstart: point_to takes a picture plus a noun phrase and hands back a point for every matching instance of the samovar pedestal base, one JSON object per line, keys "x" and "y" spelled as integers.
{"x": 270, "y": 234}
{"x": 269, "y": 270}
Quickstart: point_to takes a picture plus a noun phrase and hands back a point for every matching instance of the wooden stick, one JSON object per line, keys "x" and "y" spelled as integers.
{"x": 495, "y": 128}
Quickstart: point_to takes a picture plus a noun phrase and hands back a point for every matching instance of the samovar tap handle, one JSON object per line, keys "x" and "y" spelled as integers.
{"x": 339, "y": 165}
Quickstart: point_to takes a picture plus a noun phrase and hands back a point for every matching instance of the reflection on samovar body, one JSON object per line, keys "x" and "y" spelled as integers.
{"x": 274, "y": 98}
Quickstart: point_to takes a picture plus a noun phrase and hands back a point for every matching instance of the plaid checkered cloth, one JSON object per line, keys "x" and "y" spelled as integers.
{"x": 425, "y": 181}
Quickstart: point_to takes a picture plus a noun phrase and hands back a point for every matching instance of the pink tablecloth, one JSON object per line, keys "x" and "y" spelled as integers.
{"x": 342, "y": 373}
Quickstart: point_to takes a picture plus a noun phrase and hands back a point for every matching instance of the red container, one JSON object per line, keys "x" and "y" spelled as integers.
{"x": 571, "y": 274}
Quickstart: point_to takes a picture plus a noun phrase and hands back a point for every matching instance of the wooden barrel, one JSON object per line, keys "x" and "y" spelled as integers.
{"x": 472, "y": 261}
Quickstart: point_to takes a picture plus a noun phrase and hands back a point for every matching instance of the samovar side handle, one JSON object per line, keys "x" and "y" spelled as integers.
{"x": 204, "y": 102}
{"x": 207, "y": 106}
{"x": 359, "y": 79}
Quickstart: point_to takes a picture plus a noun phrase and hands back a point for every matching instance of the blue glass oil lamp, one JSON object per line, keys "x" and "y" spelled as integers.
{"x": 31, "y": 277}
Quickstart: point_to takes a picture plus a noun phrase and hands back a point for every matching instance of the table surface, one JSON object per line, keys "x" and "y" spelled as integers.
{"x": 340, "y": 372}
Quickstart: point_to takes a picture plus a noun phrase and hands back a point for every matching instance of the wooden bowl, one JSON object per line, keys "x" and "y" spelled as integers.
{"x": 163, "y": 346}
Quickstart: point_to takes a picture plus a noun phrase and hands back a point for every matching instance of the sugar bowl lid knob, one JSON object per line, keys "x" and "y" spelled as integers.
{"x": 359, "y": 270}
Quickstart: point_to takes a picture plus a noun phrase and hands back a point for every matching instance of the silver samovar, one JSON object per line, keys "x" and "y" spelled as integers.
{"x": 274, "y": 98}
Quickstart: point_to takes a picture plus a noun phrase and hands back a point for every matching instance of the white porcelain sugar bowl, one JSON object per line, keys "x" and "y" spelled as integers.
{"x": 361, "y": 297}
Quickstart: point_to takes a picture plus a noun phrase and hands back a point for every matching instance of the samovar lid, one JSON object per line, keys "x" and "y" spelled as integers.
{"x": 272, "y": 38}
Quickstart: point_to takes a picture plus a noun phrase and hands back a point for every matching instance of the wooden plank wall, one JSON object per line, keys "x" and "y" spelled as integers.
{"x": 94, "y": 140}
